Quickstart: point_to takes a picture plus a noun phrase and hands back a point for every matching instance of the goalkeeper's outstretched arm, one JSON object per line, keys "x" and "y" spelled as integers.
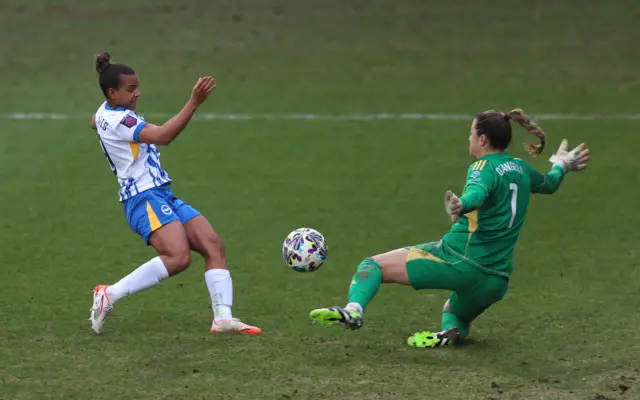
{"x": 564, "y": 161}
{"x": 546, "y": 183}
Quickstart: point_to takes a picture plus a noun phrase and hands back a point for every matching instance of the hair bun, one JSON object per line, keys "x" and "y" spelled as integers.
{"x": 102, "y": 62}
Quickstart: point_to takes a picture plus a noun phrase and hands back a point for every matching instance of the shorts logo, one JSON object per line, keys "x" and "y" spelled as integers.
{"x": 166, "y": 209}
{"x": 129, "y": 121}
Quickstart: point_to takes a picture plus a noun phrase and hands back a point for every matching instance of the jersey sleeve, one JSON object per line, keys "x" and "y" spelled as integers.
{"x": 129, "y": 127}
{"x": 545, "y": 183}
{"x": 480, "y": 181}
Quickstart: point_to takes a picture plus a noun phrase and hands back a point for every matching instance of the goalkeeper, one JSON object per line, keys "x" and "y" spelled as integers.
{"x": 474, "y": 259}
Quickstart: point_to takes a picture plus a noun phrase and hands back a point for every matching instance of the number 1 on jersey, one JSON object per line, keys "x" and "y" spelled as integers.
{"x": 514, "y": 202}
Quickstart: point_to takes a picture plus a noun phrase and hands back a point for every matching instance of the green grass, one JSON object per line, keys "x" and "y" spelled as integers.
{"x": 567, "y": 327}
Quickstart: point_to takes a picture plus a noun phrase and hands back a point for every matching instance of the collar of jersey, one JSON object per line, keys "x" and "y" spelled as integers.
{"x": 502, "y": 154}
{"x": 108, "y": 107}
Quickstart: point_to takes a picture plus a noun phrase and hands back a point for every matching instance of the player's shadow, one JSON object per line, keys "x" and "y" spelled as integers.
{"x": 393, "y": 351}
{"x": 468, "y": 342}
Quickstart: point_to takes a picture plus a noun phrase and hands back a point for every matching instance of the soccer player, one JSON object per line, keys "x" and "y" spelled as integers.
{"x": 474, "y": 259}
{"x": 170, "y": 225}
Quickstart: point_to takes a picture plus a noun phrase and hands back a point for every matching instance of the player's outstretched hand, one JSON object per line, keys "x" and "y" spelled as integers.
{"x": 452, "y": 205}
{"x": 574, "y": 160}
{"x": 202, "y": 90}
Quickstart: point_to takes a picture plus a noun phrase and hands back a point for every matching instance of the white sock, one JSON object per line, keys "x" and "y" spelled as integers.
{"x": 354, "y": 307}
{"x": 221, "y": 292}
{"x": 145, "y": 276}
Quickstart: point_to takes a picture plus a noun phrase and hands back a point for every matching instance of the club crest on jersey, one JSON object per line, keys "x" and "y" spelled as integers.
{"x": 129, "y": 121}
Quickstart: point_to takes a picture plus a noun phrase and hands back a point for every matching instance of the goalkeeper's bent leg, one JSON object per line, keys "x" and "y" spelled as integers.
{"x": 454, "y": 327}
{"x": 389, "y": 267}
{"x": 364, "y": 285}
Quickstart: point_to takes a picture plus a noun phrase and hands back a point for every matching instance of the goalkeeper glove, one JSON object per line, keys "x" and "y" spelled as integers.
{"x": 452, "y": 205}
{"x": 574, "y": 160}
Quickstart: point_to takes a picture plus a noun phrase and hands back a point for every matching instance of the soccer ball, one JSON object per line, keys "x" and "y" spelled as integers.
{"x": 304, "y": 250}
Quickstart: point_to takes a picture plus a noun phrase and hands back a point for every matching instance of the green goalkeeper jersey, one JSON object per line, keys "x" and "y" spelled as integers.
{"x": 494, "y": 204}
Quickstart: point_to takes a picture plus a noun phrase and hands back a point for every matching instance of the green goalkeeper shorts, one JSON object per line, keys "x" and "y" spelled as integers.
{"x": 431, "y": 266}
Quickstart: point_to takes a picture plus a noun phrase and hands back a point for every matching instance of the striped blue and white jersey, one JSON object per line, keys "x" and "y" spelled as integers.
{"x": 136, "y": 165}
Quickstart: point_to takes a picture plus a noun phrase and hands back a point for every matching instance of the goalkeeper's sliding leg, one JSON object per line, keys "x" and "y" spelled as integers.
{"x": 370, "y": 274}
{"x": 424, "y": 266}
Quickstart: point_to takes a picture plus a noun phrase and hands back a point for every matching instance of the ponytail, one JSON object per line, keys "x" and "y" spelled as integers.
{"x": 523, "y": 120}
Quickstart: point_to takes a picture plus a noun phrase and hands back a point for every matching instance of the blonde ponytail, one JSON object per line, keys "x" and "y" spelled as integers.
{"x": 523, "y": 120}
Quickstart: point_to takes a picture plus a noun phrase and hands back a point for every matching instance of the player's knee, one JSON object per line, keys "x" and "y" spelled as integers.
{"x": 179, "y": 261}
{"x": 184, "y": 260}
{"x": 392, "y": 270}
{"x": 391, "y": 258}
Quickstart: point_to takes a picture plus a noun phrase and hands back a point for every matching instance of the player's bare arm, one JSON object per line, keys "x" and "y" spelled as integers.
{"x": 167, "y": 132}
